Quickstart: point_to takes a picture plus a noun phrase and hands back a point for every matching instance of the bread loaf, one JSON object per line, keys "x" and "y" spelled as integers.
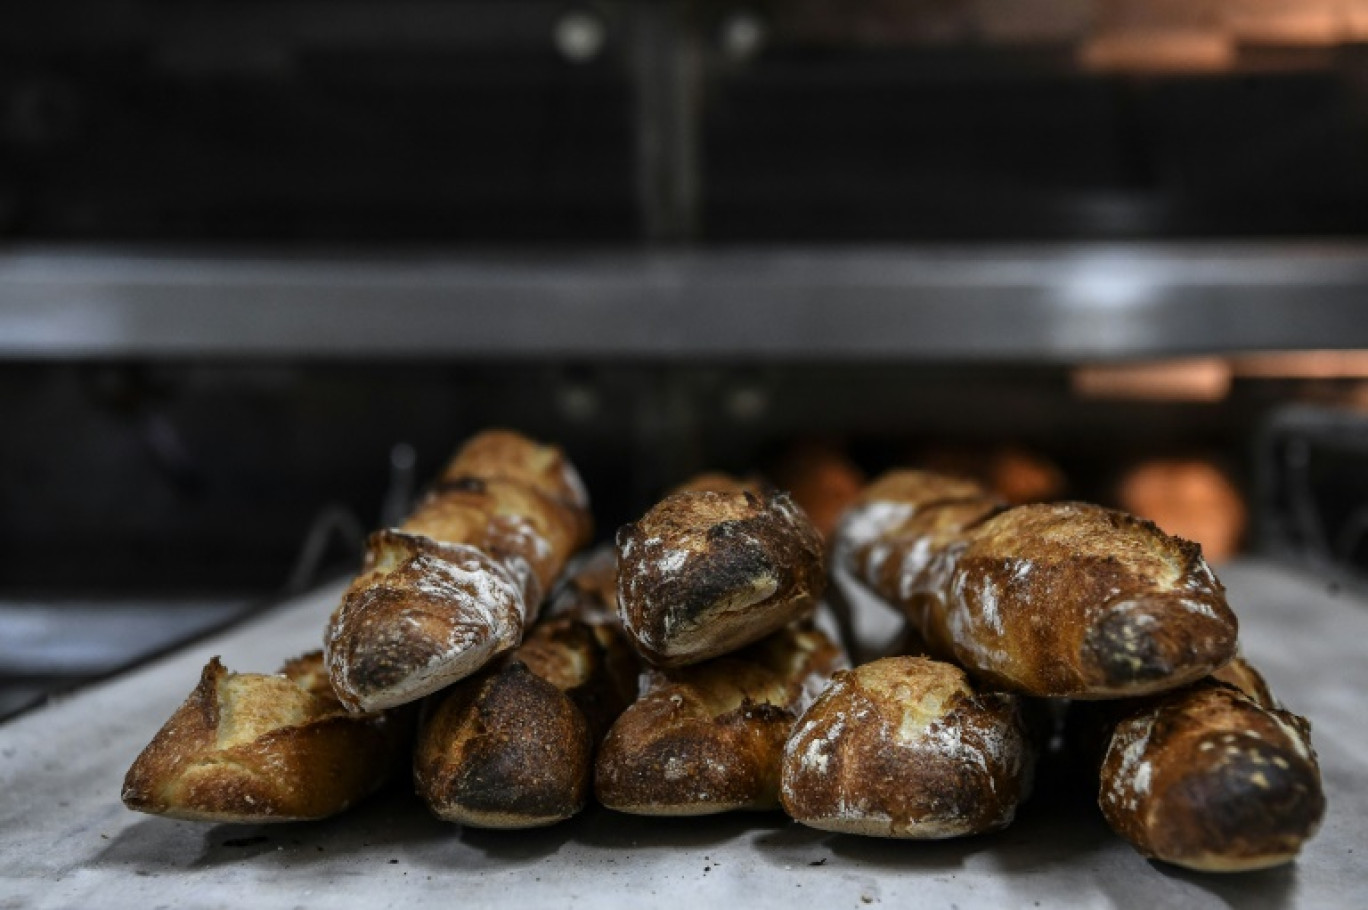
{"x": 707, "y": 572}
{"x": 905, "y": 747}
{"x": 512, "y": 746}
{"x": 457, "y": 584}
{"x": 246, "y": 747}
{"x": 1213, "y": 777}
{"x": 707, "y": 738}
{"x": 1065, "y": 599}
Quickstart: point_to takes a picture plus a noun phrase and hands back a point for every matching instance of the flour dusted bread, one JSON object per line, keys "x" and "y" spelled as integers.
{"x": 247, "y": 747}
{"x": 458, "y": 583}
{"x": 905, "y": 747}
{"x": 1064, "y": 599}
{"x": 1213, "y": 777}
{"x": 422, "y": 615}
{"x": 512, "y": 747}
{"x": 706, "y": 572}
{"x": 707, "y": 738}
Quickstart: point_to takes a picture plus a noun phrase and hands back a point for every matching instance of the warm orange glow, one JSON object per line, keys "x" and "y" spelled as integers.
{"x": 1302, "y": 365}
{"x": 1199, "y": 379}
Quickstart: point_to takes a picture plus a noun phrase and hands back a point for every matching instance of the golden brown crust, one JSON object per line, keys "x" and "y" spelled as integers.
{"x": 1065, "y": 599}
{"x": 456, "y": 585}
{"x": 1073, "y": 599}
{"x": 718, "y": 482}
{"x": 1241, "y": 674}
{"x": 707, "y": 738}
{"x": 904, "y": 747}
{"x": 1207, "y": 779}
{"x": 507, "y": 455}
{"x": 254, "y": 748}
{"x": 705, "y": 573}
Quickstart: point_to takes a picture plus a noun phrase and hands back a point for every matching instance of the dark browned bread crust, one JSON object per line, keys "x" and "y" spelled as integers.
{"x": 705, "y": 573}
{"x": 1073, "y": 599}
{"x": 1066, "y": 599}
{"x": 456, "y": 585}
{"x": 904, "y": 747}
{"x": 1207, "y": 779}
{"x": 421, "y": 616}
{"x": 707, "y": 738}
{"x": 511, "y": 747}
{"x": 506, "y": 749}
{"x": 254, "y": 748}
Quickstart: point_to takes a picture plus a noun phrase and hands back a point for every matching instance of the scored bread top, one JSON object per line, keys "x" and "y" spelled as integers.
{"x": 705, "y": 572}
{"x": 507, "y": 455}
{"x": 531, "y": 534}
{"x": 247, "y": 747}
{"x": 1071, "y": 599}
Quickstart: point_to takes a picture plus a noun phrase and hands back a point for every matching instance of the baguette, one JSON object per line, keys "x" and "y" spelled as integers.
{"x": 707, "y": 738}
{"x": 1214, "y": 777}
{"x": 246, "y": 747}
{"x": 512, "y": 747}
{"x": 905, "y": 747}
{"x": 1065, "y": 599}
{"x": 458, "y": 583}
{"x": 709, "y": 571}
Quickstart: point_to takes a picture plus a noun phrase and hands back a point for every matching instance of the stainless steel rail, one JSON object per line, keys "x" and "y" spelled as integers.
{"x": 1036, "y": 304}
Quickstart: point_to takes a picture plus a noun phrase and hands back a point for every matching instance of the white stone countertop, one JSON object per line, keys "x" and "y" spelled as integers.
{"x": 67, "y": 842}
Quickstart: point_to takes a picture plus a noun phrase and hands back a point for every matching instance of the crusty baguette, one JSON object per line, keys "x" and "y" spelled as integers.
{"x": 246, "y": 747}
{"x": 512, "y": 747}
{"x": 706, "y": 572}
{"x": 1065, "y": 599}
{"x": 1213, "y": 777}
{"x": 707, "y": 738}
{"x": 457, "y": 584}
{"x": 905, "y": 747}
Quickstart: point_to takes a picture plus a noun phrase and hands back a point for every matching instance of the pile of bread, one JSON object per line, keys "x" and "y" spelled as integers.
{"x": 680, "y": 673}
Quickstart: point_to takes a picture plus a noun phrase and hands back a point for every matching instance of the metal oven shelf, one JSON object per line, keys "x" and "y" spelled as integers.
{"x": 1038, "y": 304}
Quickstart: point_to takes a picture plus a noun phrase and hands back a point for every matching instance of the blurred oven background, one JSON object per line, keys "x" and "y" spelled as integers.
{"x": 263, "y": 265}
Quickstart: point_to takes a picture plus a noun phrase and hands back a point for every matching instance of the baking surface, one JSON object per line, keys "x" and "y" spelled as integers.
{"x": 67, "y": 841}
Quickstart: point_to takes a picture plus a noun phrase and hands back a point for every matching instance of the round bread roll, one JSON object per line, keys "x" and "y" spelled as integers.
{"x": 706, "y": 572}
{"x": 904, "y": 747}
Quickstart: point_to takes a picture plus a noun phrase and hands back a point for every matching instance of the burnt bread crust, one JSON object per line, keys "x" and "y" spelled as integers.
{"x": 506, "y": 749}
{"x": 456, "y": 585}
{"x": 511, "y": 747}
{"x": 1064, "y": 599}
{"x": 252, "y": 748}
{"x": 1208, "y": 779}
{"x": 707, "y": 738}
{"x": 905, "y": 747}
{"x": 707, "y": 572}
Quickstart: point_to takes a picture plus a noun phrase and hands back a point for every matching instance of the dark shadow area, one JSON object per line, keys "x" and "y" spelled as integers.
{"x": 606, "y": 828}
{"x": 161, "y": 845}
{"x": 1269, "y": 889}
